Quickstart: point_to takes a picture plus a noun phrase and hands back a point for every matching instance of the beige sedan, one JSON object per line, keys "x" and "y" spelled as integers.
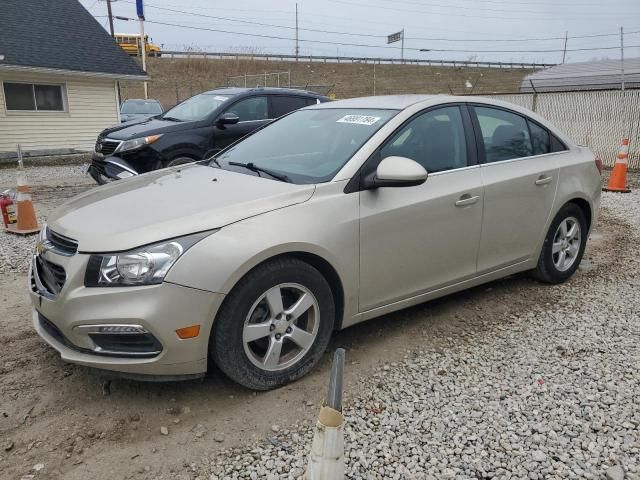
{"x": 331, "y": 215}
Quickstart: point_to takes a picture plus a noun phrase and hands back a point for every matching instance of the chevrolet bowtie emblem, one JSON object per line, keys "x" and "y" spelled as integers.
{"x": 42, "y": 247}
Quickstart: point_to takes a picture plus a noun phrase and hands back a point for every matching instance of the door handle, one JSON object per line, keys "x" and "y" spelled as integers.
{"x": 543, "y": 180}
{"x": 467, "y": 199}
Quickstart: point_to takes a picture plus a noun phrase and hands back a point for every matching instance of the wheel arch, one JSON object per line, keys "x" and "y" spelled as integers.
{"x": 585, "y": 206}
{"x": 326, "y": 269}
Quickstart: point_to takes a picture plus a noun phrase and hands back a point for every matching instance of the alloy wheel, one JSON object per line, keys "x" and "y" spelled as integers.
{"x": 281, "y": 326}
{"x": 566, "y": 244}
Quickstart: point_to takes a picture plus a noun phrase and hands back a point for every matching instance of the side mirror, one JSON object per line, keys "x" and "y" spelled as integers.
{"x": 396, "y": 172}
{"x": 227, "y": 119}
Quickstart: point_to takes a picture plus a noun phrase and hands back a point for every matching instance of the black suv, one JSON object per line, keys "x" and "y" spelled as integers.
{"x": 196, "y": 128}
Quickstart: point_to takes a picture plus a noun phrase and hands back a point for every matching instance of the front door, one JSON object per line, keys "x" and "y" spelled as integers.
{"x": 520, "y": 178}
{"x": 417, "y": 239}
{"x": 253, "y": 113}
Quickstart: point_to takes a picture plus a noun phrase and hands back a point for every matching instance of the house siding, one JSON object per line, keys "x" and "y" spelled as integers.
{"x": 91, "y": 107}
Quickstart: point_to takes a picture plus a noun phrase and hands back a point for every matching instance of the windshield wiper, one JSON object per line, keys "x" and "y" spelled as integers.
{"x": 172, "y": 119}
{"x": 255, "y": 168}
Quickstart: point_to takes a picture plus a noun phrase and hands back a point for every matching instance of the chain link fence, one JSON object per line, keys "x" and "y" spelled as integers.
{"x": 597, "y": 119}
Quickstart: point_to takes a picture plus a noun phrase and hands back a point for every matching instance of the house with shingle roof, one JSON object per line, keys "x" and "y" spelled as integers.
{"x": 59, "y": 73}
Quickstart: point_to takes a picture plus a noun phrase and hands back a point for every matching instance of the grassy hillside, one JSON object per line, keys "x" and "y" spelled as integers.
{"x": 175, "y": 79}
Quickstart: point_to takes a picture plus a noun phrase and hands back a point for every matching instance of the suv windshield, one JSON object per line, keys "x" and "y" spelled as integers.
{"x": 308, "y": 146}
{"x": 197, "y": 108}
{"x": 140, "y": 106}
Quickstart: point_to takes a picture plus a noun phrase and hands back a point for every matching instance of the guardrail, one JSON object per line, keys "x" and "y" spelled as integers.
{"x": 338, "y": 59}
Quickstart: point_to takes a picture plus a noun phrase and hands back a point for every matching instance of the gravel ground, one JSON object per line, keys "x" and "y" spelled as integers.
{"x": 509, "y": 380}
{"x": 553, "y": 392}
{"x": 67, "y": 181}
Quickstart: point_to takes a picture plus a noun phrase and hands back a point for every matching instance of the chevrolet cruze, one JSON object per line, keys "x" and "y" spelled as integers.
{"x": 332, "y": 215}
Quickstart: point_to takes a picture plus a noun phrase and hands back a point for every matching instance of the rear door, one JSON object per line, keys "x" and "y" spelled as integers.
{"x": 520, "y": 178}
{"x": 253, "y": 113}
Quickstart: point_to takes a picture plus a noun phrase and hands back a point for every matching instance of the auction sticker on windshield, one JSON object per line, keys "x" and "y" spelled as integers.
{"x": 358, "y": 119}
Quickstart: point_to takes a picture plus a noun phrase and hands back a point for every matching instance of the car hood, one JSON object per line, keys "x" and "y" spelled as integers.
{"x": 168, "y": 203}
{"x": 144, "y": 127}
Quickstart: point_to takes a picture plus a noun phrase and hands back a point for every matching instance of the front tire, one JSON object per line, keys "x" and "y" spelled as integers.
{"x": 274, "y": 325}
{"x": 174, "y": 162}
{"x": 563, "y": 246}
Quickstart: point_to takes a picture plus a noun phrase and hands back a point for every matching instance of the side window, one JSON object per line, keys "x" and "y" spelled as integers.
{"x": 539, "y": 139}
{"x": 434, "y": 139}
{"x": 557, "y": 145}
{"x": 282, "y": 104}
{"x": 505, "y": 134}
{"x": 249, "y": 109}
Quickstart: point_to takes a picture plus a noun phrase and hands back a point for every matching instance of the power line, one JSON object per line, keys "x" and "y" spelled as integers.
{"x": 334, "y": 32}
{"x": 327, "y": 42}
{"x": 395, "y": 9}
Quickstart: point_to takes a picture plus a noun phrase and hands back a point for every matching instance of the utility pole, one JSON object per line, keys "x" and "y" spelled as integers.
{"x": 110, "y": 17}
{"x": 143, "y": 43}
{"x": 622, "y": 58}
{"x": 402, "y": 47}
{"x": 564, "y": 50}
{"x": 297, "y": 47}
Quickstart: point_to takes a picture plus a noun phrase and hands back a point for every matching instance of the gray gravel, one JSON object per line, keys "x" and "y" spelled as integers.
{"x": 549, "y": 393}
{"x": 50, "y": 186}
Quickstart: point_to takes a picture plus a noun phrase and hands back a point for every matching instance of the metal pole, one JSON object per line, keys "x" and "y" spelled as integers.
{"x": 622, "y": 58}
{"x": 564, "y": 50}
{"x": 143, "y": 51}
{"x": 402, "y": 47}
{"x": 297, "y": 47}
{"x": 374, "y": 78}
{"x": 110, "y": 17}
{"x": 334, "y": 398}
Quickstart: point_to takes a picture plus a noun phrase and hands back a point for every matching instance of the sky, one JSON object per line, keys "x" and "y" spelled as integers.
{"x": 485, "y": 30}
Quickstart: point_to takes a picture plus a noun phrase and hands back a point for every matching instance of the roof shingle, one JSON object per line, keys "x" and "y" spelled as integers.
{"x": 59, "y": 34}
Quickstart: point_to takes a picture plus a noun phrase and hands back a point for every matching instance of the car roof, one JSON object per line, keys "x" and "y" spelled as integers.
{"x": 391, "y": 102}
{"x": 141, "y": 100}
{"x": 268, "y": 90}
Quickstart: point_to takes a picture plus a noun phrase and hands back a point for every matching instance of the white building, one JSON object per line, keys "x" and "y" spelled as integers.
{"x": 58, "y": 77}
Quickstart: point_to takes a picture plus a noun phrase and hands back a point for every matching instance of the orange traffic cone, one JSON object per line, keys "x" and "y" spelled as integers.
{"x": 27, "y": 222}
{"x": 618, "y": 178}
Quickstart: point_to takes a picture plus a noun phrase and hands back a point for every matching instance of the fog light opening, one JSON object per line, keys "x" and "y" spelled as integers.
{"x": 188, "y": 332}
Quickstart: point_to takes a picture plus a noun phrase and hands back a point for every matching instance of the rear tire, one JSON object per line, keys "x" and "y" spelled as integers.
{"x": 563, "y": 246}
{"x": 274, "y": 325}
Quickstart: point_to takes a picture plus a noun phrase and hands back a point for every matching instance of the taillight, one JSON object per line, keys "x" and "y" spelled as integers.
{"x": 599, "y": 165}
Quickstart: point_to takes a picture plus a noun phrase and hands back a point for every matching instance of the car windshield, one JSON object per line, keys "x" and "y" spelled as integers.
{"x": 197, "y": 108}
{"x": 307, "y": 146}
{"x": 141, "y": 106}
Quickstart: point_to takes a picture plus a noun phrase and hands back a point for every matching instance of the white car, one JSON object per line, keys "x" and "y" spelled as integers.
{"x": 331, "y": 215}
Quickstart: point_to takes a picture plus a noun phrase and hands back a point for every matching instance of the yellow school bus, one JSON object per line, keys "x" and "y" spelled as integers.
{"x": 130, "y": 43}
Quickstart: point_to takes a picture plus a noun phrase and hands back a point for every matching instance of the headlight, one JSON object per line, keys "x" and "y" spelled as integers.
{"x": 142, "y": 266}
{"x": 136, "y": 143}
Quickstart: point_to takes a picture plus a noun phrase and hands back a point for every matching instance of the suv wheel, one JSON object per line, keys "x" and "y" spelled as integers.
{"x": 274, "y": 326}
{"x": 179, "y": 161}
{"x": 563, "y": 246}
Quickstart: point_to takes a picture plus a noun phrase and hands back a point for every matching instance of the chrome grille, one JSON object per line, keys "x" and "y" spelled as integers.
{"x": 51, "y": 276}
{"x": 106, "y": 146}
{"x": 61, "y": 244}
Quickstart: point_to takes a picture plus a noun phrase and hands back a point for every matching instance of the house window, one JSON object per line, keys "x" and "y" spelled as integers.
{"x": 34, "y": 97}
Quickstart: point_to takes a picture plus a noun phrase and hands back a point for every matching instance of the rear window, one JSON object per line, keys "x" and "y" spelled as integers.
{"x": 283, "y": 104}
{"x": 140, "y": 106}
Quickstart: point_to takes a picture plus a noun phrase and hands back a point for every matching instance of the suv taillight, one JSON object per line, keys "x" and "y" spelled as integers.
{"x": 599, "y": 165}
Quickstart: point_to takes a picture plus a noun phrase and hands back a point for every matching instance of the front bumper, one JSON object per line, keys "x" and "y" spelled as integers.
{"x": 68, "y": 321}
{"x": 143, "y": 160}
